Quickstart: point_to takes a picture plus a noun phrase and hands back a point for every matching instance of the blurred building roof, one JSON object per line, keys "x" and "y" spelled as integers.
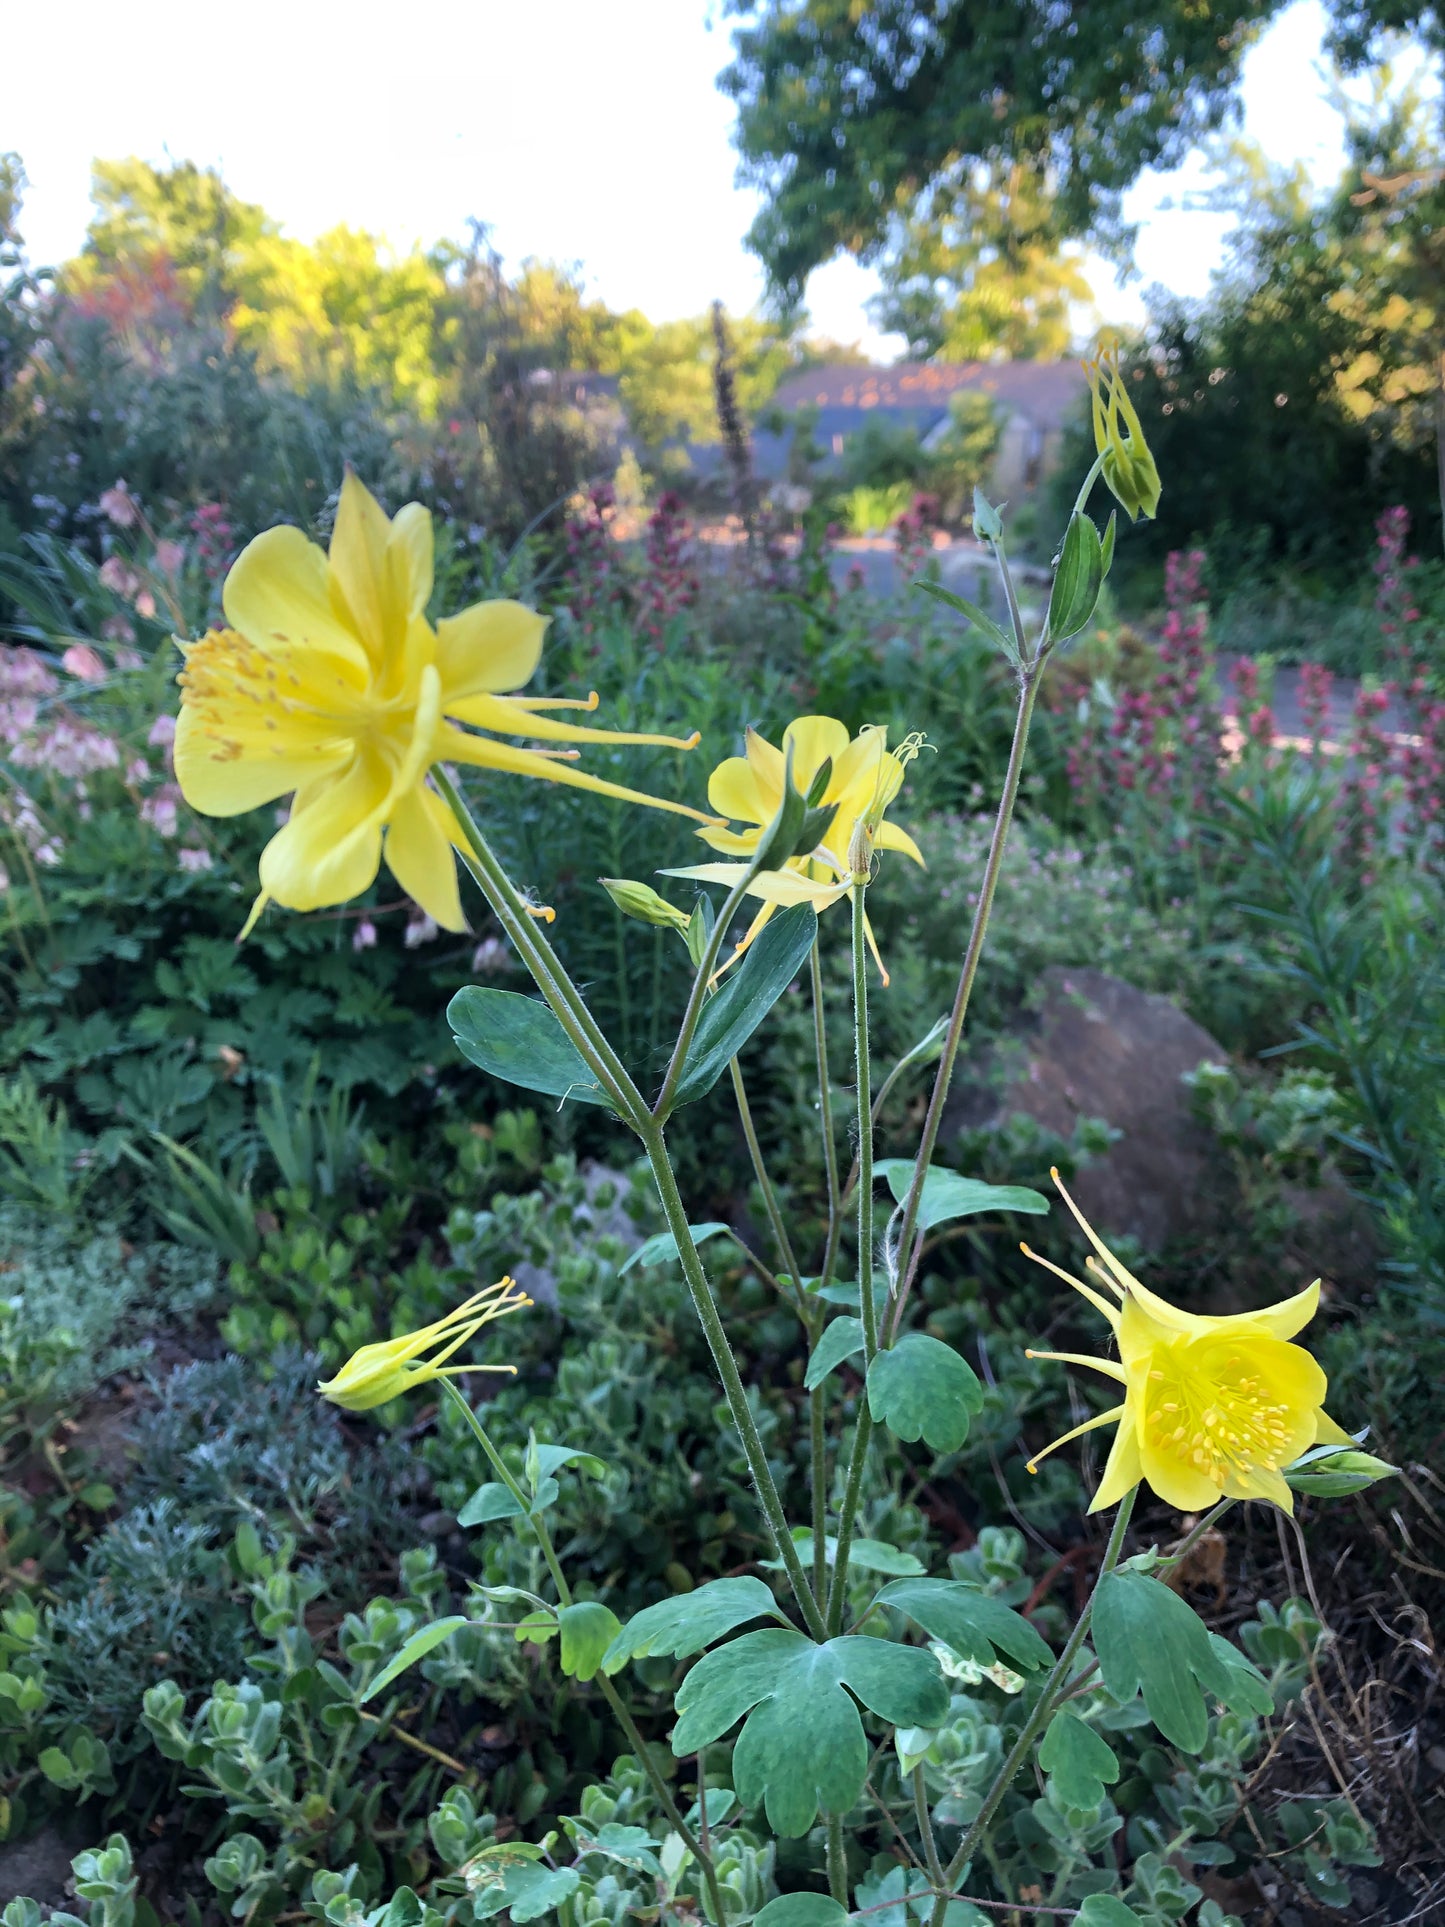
{"x": 1045, "y": 391}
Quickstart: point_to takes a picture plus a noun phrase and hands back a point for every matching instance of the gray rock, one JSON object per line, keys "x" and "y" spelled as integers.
{"x": 37, "y": 1869}
{"x": 1098, "y": 1048}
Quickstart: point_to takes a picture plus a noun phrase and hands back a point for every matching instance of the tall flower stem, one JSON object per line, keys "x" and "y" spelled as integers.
{"x": 863, "y": 1066}
{"x": 711, "y": 1321}
{"x": 910, "y": 1245}
{"x": 817, "y": 1398}
{"x": 838, "y": 1591}
{"x": 614, "y": 1699}
{"x": 581, "y": 1028}
{"x": 697, "y": 996}
{"x": 837, "y": 1860}
{"x": 771, "y": 1206}
{"x": 1043, "y": 1707}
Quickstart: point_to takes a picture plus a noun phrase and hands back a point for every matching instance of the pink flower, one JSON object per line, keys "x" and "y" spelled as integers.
{"x": 363, "y": 937}
{"x": 490, "y": 956}
{"x": 193, "y": 862}
{"x": 117, "y": 629}
{"x": 137, "y": 770}
{"x": 162, "y": 732}
{"x": 145, "y": 604}
{"x": 420, "y": 930}
{"x": 170, "y": 559}
{"x": 128, "y": 659}
{"x": 160, "y": 810}
{"x": 81, "y": 660}
{"x": 119, "y": 577}
{"x": 118, "y": 505}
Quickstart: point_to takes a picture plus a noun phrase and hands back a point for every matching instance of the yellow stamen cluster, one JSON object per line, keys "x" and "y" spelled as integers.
{"x": 1214, "y": 1407}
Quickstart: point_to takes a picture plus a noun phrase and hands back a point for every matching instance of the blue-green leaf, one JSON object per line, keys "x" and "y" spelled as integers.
{"x": 946, "y": 1195}
{"x": 868, "y": 1555}
{"x": 520, "y": 1040}
{"x": 1148, "y": 1640}
{"x": 1000, "y": 638}
{"x": 1106, "y": 1910}
{"x": 974, "y": 1624}
{"x": 526, "y": 1892}
{"x": 689, "y": 1621}
{"x": 748, "y": 993}
{"x": 495, "y": 1501}
{"x": 588, "y": 1630}
{"x": 801, "y": 1910}
{"x": 417, "y": 1647}
{"x": 661, "y": 1248}
{"x": 1080, "y": 1761}
{"x": 922, "y": 1389}
{"x": 1077, "y": 580}
{"x": 802, "y": 1746}
{"x": 841, "y": 1339}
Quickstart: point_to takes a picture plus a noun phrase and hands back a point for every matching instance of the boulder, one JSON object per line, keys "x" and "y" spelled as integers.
{"x": 1097, "y": 1047}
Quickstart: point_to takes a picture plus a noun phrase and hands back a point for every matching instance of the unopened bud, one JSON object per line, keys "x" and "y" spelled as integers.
{"x": 641, "y": 901}
{"x": 1338, "y": 1473}
{"x": 1128, "y": 467}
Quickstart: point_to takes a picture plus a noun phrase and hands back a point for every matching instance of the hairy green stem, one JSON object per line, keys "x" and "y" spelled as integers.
{"x": 910, "y": 1245}
{"x": 770, "y": 1197}
{"x": 614, "y": 1699}
{"x": 711, "y": 1321}
{"x": 545, "y": 965}
{"x": 925, "y": 1827}
{"x": 837, "y": 1860}
{"x": 863, "y": 1066}
{"x": 1043, "y": 1707}
{"x": 697, "y": 996}
{"x": 838, "y": 1592}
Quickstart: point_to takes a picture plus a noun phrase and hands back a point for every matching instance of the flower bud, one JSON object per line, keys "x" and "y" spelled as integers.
{"x": 641, "y": 901}
{"x": 1128, "y": 466}
{"x": 1338, "y": 1473}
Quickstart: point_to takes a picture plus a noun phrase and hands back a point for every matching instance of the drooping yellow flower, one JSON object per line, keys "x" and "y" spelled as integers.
{"x": 1128, "y": 466}
{"x": 864, "y": 778}
{"x": 1213, "y": 1407}
{"x": 380, "y": 1372}
{"x": 330, "y": 682}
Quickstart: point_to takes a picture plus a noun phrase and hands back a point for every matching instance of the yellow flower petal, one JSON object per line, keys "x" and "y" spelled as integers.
{"x": 511, "y": 719}
{"x": 891, "y": 837}
{"x": 410, "y": 559}
{"x": 1123, "y": 1469}
{"x": 219, "y": 782}
{"x": 1177, "y": 1482}
{"x": 816, "y": 740}
{"x": 419, "y": 855}
{"x": 488, "y": 649}
{"x": 734, "y": 790}
{"x": 485, "y": 752}
{"x": 330, "y": 849}
{"x": 1328, "y": 1433}
{"x": 279, "y": 591}
{"x": 359, "y": 568}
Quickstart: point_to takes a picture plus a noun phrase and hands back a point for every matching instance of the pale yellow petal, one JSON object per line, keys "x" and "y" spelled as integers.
{"x": 730, "y": 842}
{"x": 1176, "y": 1481}
{"x": 409, "y": 559}
{"x": 330, "y": 850}
{"x": 734, "y": 790}
{"x": 511, "y": 719}
{"x": 1260, "y": 1482}
{"x": 220, "y": 783}
{"x": 419, "y": 855}
{"x": 1123, "y": 1468}
{"x": 890, "y": 837}
{"x": 1328, "y": 1433}
{"x": 485, "y": 752}
{"x": 278, "y": 592}
{"x": 855, "y": 772}
{"x": 815, "y": 740}
{"x": 768, "y": 767}
{"x": 1291, "y": 1315}
{"x": 488, "y": 649}
{"x": 359, "y": 567}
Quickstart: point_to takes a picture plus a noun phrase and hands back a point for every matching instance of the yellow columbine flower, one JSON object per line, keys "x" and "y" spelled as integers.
{"x": 381, "y": 1372}
{"x": 330, "y": 682}
{"x": 864, "y": 779}
{"x": 1213, "y": 1407}
{"x": 1128, "y": 466}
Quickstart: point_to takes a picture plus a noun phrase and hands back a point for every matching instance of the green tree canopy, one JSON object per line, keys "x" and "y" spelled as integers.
{"x": 849, "y": 111}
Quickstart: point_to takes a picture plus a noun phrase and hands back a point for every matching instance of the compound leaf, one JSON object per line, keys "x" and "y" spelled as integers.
{"x": 1148, "y": 1640}
{"x": 689, "y": 1621}
{"x": 973, "y": 1624}
{"x": 588, "y": 1630}
{"x": 748, "y": 993}
{"x": 1080, "y": 1761}
{"x": 922, "y": 1389}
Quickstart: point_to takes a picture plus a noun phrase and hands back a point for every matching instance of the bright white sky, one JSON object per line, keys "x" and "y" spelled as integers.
{"x": 584, "y": 133}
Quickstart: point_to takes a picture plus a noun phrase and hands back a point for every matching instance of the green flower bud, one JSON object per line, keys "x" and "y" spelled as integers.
{"x": 1128, "y": 467}
{"x": 641, "y": 901}
{"x": 1338, "y": 1473}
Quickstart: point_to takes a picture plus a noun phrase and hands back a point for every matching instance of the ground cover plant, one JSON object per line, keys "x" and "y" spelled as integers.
{"x": 765, "y": 1454}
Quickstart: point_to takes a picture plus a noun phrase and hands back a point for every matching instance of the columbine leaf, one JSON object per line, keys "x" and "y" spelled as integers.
{"x": 868, "y": 1555}
{"x": 748, "y": 993}
{"x": 661, "y": 1248}
{"x": 588, "y": 1630}
{"x": 1250, "y": 1692}
{"x": 841, "y": 1339}
{"x": 802, "y": 1746}
{"x": 801, "y": 1910}
{"x": 520, "y": 1040}
{"x": 1148, "y": 1640}
{"x": 999, "y": 637}
{"x": 922, "y": 1389}
{"x": 1077, "y": 580}
{"x": 946, "y": 1195}
{"x": 526, "y": 1892}
{"x": 551, "y": 1458}
{"x": 1106, "y": 1910}
{"x": 1080, "y": 1761}
{"x": 633, "y": 1846}
{"x": 492, "y": 1502}
{"x": 973, "y": 1624}
{"x": 417, "y": 1647}
{"x": 689, "y": 1621}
